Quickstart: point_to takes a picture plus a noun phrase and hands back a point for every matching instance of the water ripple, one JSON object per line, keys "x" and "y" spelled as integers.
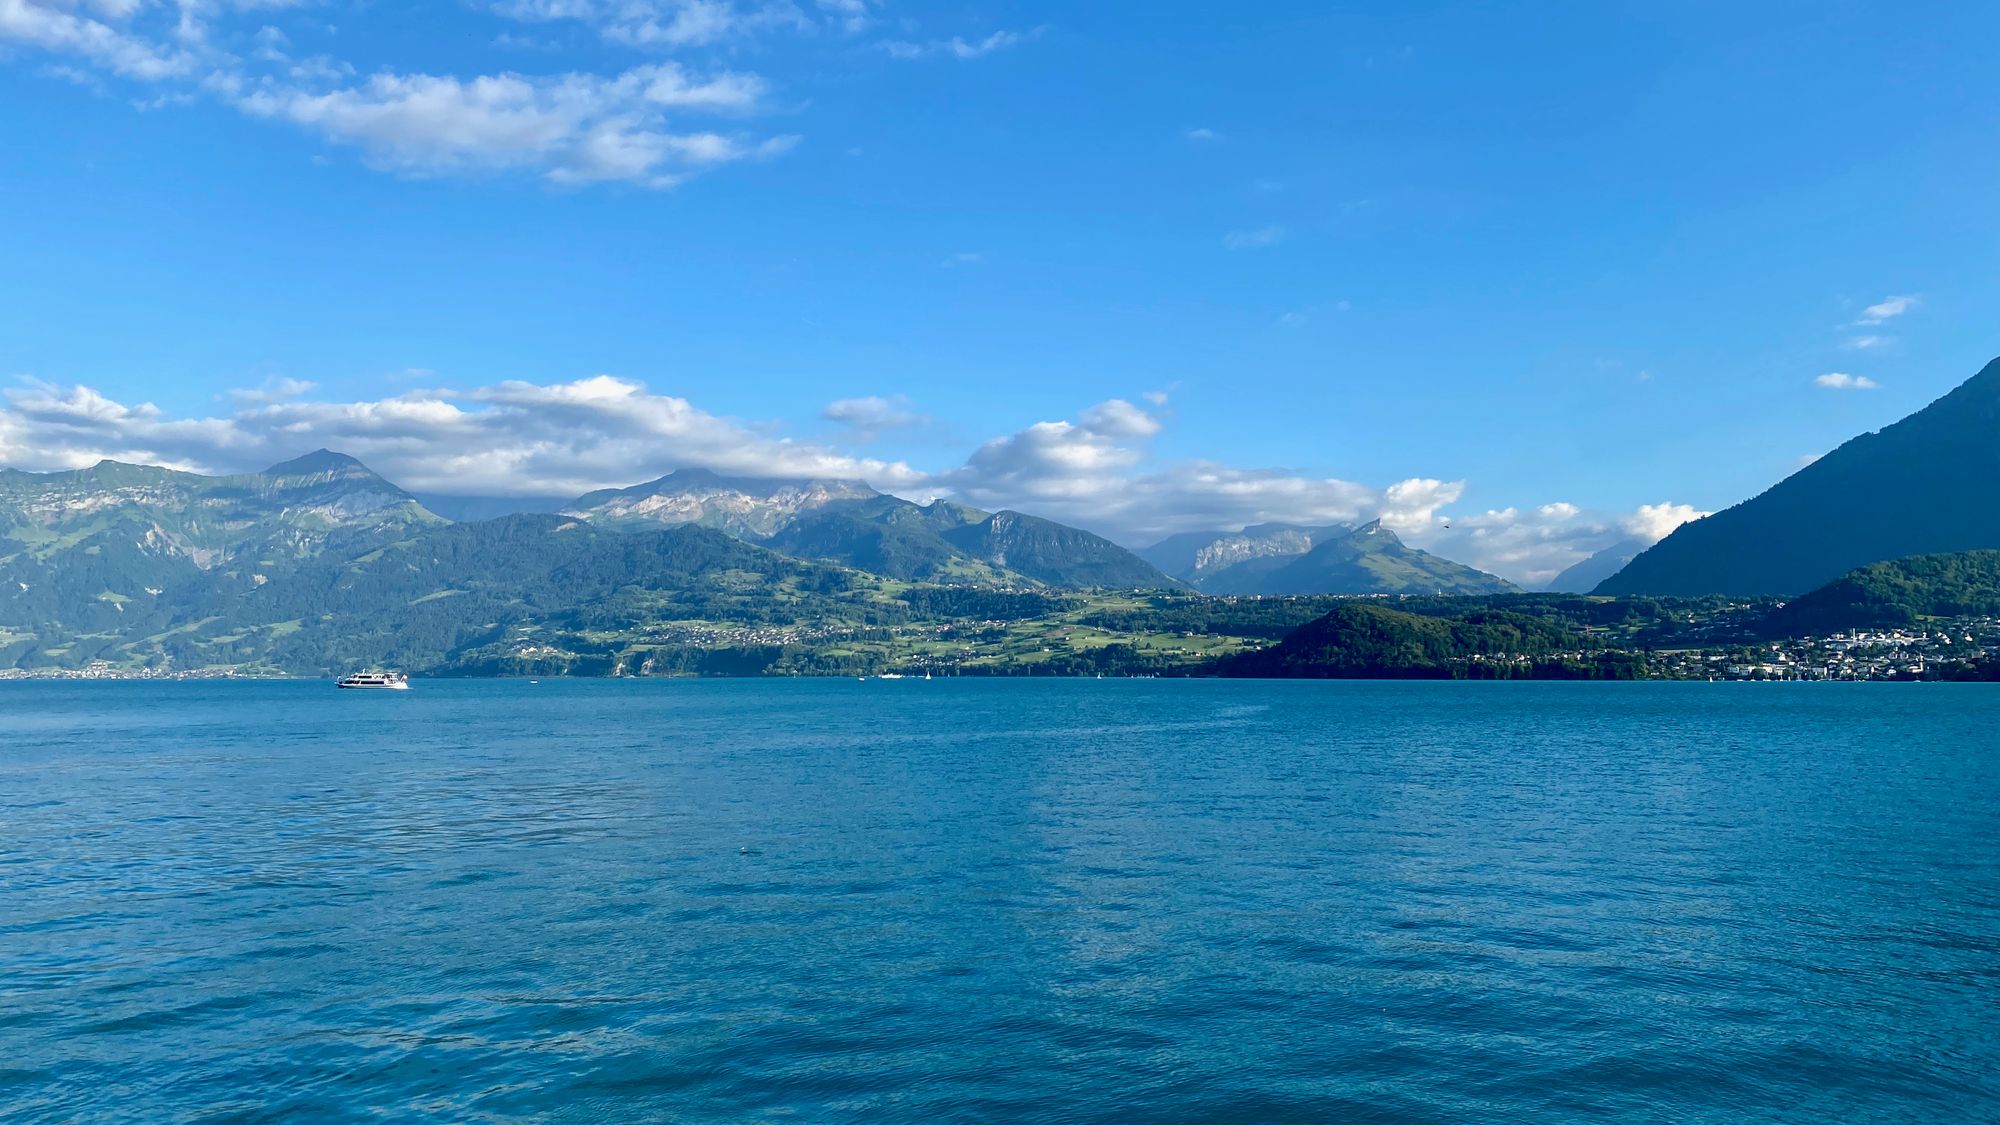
{"x": 1078, "y": 902}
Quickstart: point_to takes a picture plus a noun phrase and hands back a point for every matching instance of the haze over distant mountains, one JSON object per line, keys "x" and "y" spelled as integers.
{"x": 1280, "y": 559}
{"x": 850, "y": 523}
{"x": 1929, "y": 484}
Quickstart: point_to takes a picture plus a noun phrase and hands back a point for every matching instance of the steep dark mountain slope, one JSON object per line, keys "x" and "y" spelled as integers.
{"x": 1929, "y": 484}
{"x": 1050, "y": 552}
{"x": 891, "y": 537}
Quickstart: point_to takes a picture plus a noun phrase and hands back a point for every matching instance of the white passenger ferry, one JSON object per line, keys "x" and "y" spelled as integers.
{"x": 381, "y": 681}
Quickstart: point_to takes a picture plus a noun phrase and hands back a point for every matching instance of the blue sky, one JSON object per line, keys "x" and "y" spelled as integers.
{"x": 1145, "y": 268}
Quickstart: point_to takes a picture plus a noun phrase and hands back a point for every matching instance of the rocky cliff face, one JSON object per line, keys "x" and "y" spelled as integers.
{"x": 743, "y": 507}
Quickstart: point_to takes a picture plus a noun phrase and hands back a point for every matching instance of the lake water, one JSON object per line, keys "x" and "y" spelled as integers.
{"x": 1079, "y": 901}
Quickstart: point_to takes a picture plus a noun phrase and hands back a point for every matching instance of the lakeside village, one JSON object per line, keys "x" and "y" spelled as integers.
{"x": 1909, "y": 653}
{"x": 1924, "y": 652}
{"x": 1937, "y": 650}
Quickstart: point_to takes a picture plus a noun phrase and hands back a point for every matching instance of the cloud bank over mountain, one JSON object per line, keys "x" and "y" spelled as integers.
{"x": 524, "y": 439}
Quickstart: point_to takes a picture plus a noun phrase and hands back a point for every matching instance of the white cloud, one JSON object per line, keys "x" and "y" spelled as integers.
{"x": 1866, "y": 343}
{"x": 1120, "y": 419}
{"x": 964, "y": 258}
{"x": 1413, "y": 504}
{"x": 1888, "y": 308}
{"x": 1842, "y": 381}
{"x": 1531, "y": 546}
{"x": 1203, "y": 135}
{"x": 960, "y": 48}
{"x": 853, "y": 16}
{"x": 1254, "y": 239}
{"x": 275, "y": 389}
{"x": 1654, "y": 522}
{"x": 869, "y": 416}
{"x": 677, "y": 24}
{"x": 57, "y": 27}
{"x": 571, "y": 128}
{"x": 512, "y": 438}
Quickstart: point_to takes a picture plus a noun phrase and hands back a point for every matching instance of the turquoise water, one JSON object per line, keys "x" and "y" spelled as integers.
{"x": 1084, "y": 901}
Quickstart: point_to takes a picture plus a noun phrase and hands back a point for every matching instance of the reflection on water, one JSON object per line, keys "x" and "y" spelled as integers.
{"x": 1095, "y": 900}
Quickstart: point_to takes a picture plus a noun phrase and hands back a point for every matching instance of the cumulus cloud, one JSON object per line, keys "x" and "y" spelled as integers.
{"x": 505, "y": 439}
{"x": 1651, "y": 523}
{"x": 575, "y": 128}
{"x": 1889, "y": 308}
{"x": 572, "y": 128}
{"x": 870, "y": 416}
{"x": 1414, "y": 504}
{"x": 275, "y": 389}
{"x": 1842, "y": 381}
{"x": 1533, "y": 545}
{"x": 1120, "y": 419}
{"x": 61, "y": 28}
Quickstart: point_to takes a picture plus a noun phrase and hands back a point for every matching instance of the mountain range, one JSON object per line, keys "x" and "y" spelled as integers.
{"x": 1925, "y": 485}
{"x": 1286, "y": 559}
{"x": 849, "y": 523}
{"x": 319, "y": 562}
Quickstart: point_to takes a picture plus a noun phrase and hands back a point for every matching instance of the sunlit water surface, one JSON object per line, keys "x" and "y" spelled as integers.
{"x": 1116, "y": 901}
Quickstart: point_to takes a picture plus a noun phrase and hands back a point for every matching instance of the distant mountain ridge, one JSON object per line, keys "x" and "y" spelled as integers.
{"x": 850, "y": 523}
{"x": 91, "y": 550}
{"x": 1284, "y": 559}
{"x": 318, "y": 563}
{"x": 1195, "y": 556}
{"x": 741, "y": 506}
{"x": 1584, "y": 576}
{"x": 1928, "y": 484}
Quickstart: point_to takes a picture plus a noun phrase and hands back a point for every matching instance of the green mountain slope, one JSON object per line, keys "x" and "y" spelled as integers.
{"x": 115, "y": 547}
{"x": 1897, "y": 593}
{"x": 1361, "y": 640}
{"x": 848, "y": 522}
{"x": 1930, "y": 484}
{"x": 1050, "y": 552}
{"x": 1367, "y": 560}
{"x": 891, "y": 537}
